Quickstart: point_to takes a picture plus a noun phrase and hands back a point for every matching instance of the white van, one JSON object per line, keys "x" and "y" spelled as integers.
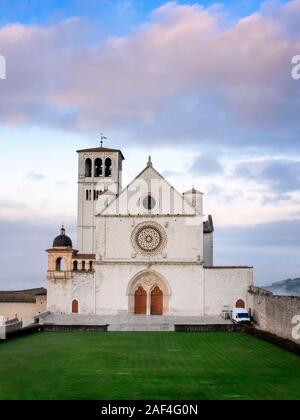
{"x": 240, "y": 316}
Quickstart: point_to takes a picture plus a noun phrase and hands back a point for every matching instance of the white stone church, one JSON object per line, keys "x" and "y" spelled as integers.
{"x": 145, "y": 249}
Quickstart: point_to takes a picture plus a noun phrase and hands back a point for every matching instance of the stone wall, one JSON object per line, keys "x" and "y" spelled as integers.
{"x": 224, "y": 286}
{"x": 188, "y": 288}
{"x": 209, "y": 328}
{"x": 61, "y": 293}
{"x": 24, "y": 311}
{"x": 276, "y": 314}
{"x": 115, "y": 241}
{"x": 74, "y": 328}
{"x": 22, "y": 332}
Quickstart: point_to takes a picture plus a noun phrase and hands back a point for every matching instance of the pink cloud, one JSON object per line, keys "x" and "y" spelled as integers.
{"x": 187, "y": 67}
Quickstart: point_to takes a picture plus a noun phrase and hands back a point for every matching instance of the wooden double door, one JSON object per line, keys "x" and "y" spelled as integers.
{"x": 156, "y": 302}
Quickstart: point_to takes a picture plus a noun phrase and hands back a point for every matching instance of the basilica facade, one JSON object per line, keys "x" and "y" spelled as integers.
{"x": 145, "y": 249}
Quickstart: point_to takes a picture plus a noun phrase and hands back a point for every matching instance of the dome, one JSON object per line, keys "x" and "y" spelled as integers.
{"x": 62, "y": 240}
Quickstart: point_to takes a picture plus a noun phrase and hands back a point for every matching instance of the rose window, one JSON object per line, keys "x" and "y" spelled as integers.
{"x": 148, "y": 238}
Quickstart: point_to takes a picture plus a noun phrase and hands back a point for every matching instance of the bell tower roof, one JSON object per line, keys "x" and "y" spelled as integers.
{"x": 101, "y": 149}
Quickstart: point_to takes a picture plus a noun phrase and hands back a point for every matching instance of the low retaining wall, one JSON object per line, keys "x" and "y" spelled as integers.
{"x": 74, "y": 328}
{"x": 12, "y": 326}
{"x": 209, "y": 328}
{"x": 53, "y": 328}
{"x": 276, "y": 314}
{"x": 22, "y": 332}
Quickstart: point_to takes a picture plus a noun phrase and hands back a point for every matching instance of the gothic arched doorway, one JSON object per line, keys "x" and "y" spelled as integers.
{"x": 240, "y": 304}
{"x": 148, "y": 294}
{"x": 157, "y": 301}
{"x": 140, "y": 301}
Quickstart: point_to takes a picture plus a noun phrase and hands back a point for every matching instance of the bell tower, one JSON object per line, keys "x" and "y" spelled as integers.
{"x": 99, "y": 172}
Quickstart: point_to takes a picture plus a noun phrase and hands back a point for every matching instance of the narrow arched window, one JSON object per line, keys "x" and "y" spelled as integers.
{"x": 75, "y": 265}
{"x": 75, "y": 306}
{"x": 91, "y": 265}
{"x": 108, "y": 167}
{"x": 98, "y": 167}
{"x": 59, "y": 264}
{"x": 88, "y": 168}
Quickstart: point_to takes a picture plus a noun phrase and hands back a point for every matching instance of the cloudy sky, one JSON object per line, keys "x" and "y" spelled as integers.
{"x": 205, "y": 88}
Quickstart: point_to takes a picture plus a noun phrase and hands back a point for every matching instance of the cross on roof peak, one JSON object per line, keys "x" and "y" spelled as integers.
{"x": 102, "y": 137}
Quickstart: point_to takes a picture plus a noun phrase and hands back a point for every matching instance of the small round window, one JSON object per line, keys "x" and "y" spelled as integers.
{"x": 149, "y": 202}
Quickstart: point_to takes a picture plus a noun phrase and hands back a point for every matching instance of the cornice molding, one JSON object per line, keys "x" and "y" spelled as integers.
{"x": 145, "y": 216}
{"x": 148, "y": 263}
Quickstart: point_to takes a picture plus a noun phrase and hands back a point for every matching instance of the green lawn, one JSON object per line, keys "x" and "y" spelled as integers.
{"x": 146, "y": 366}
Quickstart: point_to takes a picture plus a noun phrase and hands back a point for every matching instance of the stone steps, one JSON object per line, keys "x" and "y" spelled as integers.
{"x": 141, "y": 327}
{"x": 130, "y": 322}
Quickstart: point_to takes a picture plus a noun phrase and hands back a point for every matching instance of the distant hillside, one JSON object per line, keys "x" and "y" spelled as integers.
{"x": 290, "y": 287}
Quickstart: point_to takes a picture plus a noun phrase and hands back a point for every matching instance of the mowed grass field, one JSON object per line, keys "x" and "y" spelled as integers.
{"x": 146, "y": 366}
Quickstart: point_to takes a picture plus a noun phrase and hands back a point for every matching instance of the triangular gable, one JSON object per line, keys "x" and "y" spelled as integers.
{"x": 168, "y": 201}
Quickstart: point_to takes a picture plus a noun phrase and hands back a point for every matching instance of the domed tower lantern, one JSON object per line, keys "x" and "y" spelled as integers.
{"x": 60, "y": 257}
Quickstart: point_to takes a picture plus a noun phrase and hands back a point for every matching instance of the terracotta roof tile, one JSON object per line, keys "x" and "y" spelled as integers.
{"x": 28, "y": 295}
